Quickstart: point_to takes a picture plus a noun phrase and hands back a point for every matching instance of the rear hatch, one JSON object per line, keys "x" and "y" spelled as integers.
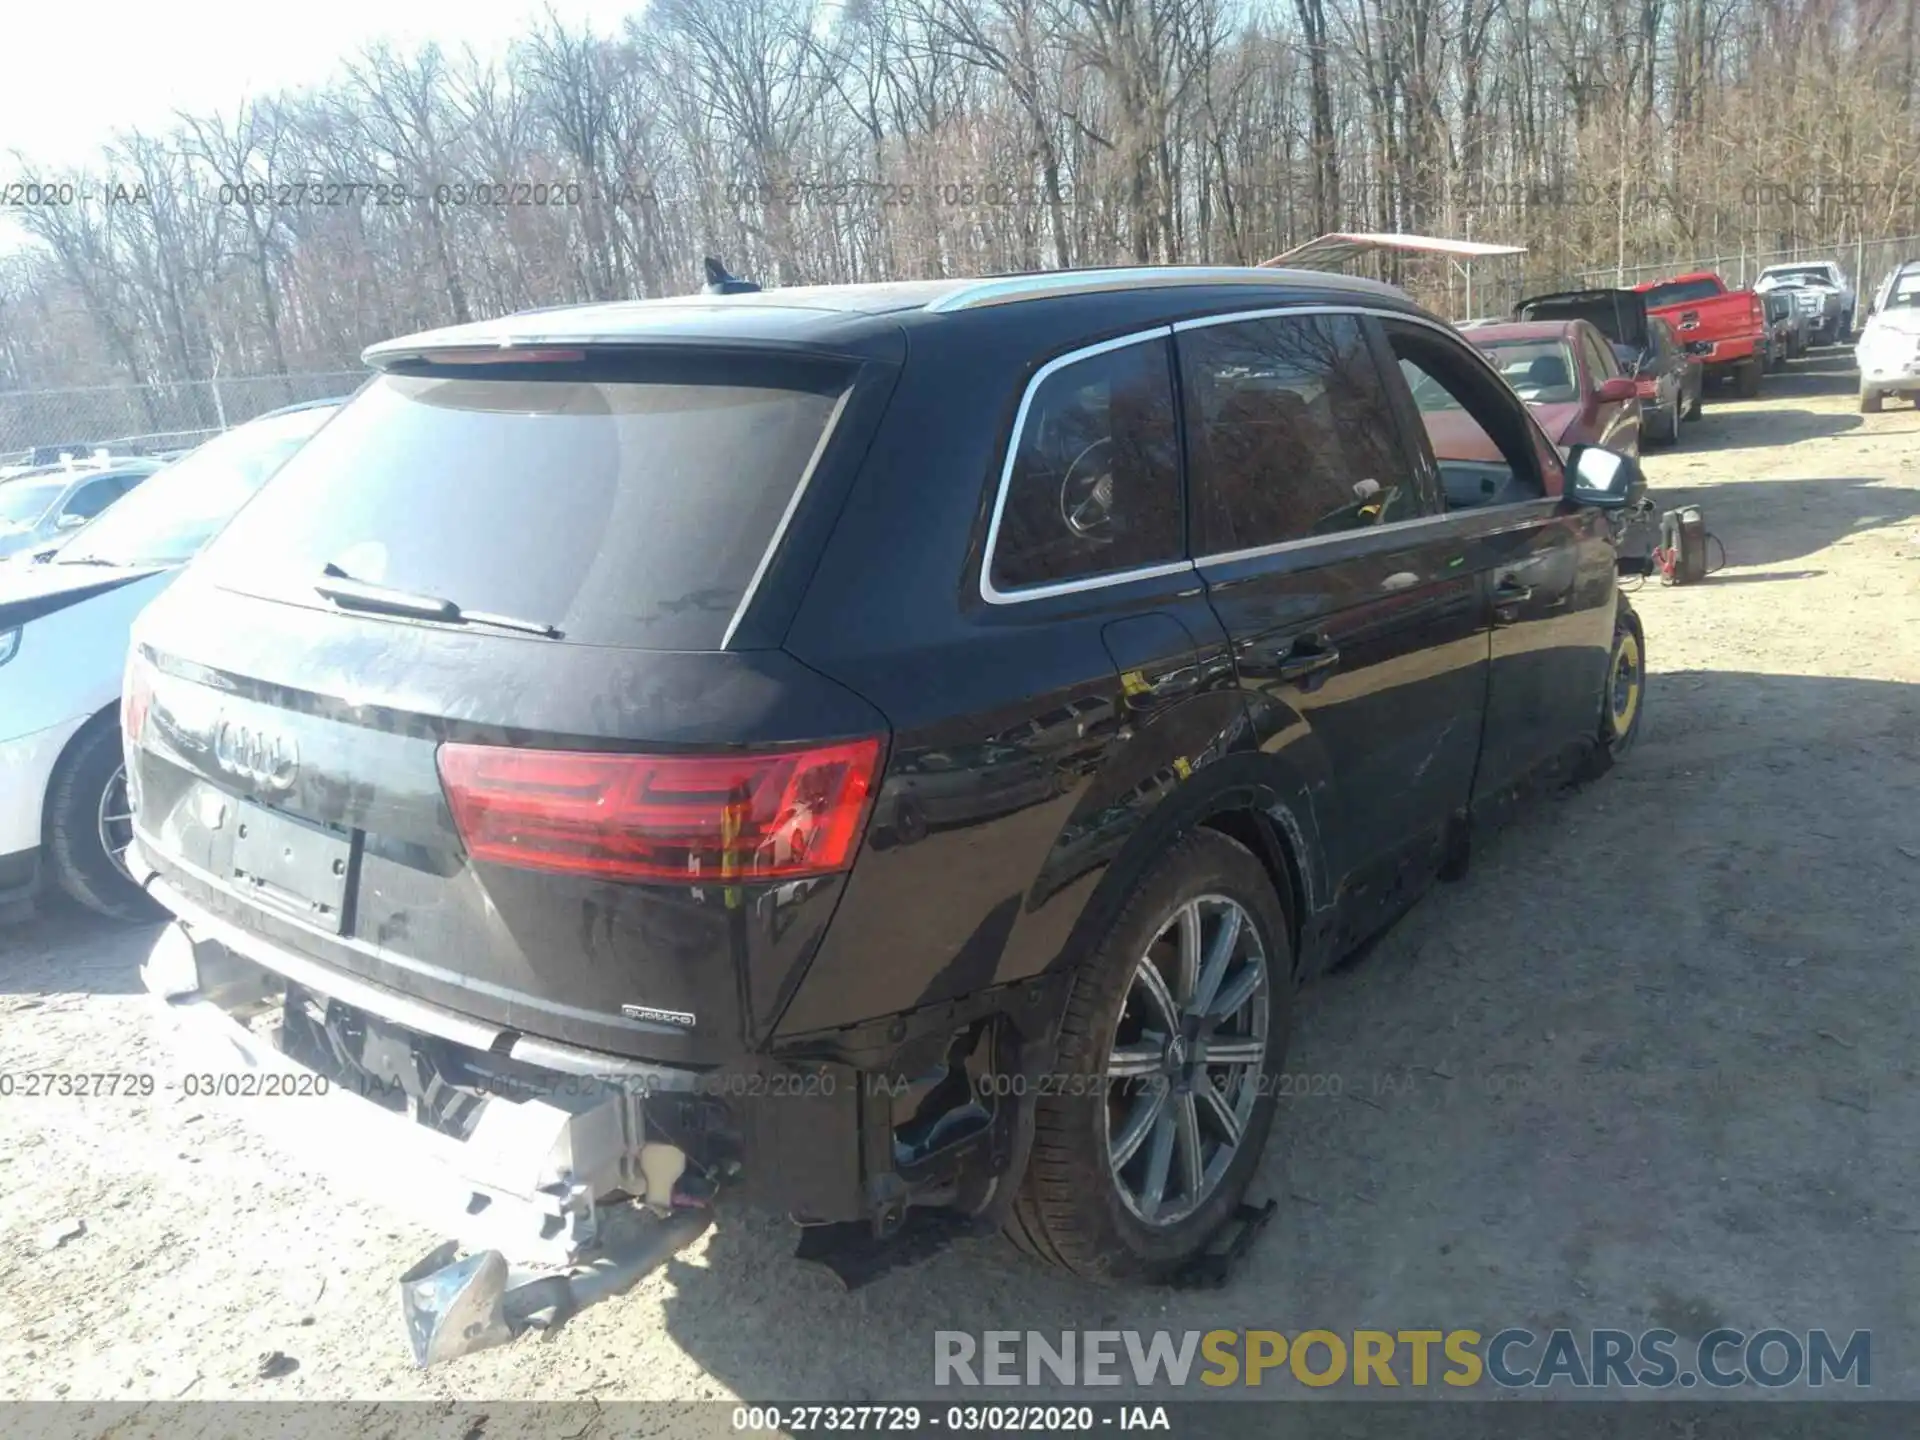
{"x": 1620, "y": 315}
{"x": 451, "y": 704}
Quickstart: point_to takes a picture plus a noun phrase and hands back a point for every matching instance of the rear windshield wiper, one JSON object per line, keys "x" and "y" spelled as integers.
{"x": 351, "y": 594}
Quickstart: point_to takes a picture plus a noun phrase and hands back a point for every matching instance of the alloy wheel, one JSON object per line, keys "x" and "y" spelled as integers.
{"x": 1188, "y": 1060}
{"x": 114, "y": 819}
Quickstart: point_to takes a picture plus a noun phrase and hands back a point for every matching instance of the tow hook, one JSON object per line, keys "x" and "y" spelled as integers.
{"x": 456, "y": 1306}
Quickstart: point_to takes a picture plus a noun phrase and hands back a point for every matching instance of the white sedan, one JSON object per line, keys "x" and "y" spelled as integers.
{"x": 63, "y": 647}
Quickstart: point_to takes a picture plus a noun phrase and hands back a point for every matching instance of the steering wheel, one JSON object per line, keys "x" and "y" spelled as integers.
{"x": 1086, "y": 492}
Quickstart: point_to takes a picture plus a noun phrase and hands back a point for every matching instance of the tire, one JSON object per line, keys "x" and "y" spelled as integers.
{"x": 1870, "y": 402}
{"x": 1622, "y": 710}
{"x": 1746, "y": 379}
{"x": 82, "y": 792}
{"x": 1665, "y": 431}
{"x": 1076, "y": 1209}
{"x": 1692, "y": 410}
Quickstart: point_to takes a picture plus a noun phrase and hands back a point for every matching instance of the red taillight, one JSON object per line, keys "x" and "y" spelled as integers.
{"x": 136, "y": 694}
{"x": 775, "y": 815}
{"x": 1647, "y": 389}
{"x": 506, "y": 355}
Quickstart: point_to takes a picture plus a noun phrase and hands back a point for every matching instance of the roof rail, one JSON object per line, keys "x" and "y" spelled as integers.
{"x": 1008, "y": 288}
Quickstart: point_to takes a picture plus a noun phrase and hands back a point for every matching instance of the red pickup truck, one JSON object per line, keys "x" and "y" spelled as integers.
{"x": 1725, "y": 328}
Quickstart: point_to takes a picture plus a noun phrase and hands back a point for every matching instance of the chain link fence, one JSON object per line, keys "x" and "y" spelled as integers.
{"x": 37, "y": 426}
{"x": 1866, "y": 262}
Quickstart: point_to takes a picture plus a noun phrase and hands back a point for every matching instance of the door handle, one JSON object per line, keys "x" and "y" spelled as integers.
{"x": 1140, "y": 690}
{"x": 1308, "y": 662}
{"x": 1508, "y": 596}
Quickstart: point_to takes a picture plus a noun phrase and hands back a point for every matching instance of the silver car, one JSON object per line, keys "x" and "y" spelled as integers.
{"x": 1821, "y": 294}
{"x": 41, "y": 507}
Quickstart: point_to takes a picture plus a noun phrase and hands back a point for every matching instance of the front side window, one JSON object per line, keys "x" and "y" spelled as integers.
{"x": 1290, "y": 433}
{"x": 1094, "y": 484}
{"x": 1486, "y": 451}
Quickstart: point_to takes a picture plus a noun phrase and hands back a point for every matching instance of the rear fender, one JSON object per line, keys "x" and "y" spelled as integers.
{"x": 1247, "y": 789}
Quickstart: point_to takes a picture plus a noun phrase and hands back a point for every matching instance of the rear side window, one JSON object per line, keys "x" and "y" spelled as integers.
{"x": 631, "y": 511}
{"x": 1600, "y": 359}
{"x": 1291, "y": 433}
{"x": 1093, "y": 486}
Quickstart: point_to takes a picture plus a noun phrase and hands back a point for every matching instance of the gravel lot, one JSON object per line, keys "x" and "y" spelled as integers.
{"x": 1651, "y": 1063}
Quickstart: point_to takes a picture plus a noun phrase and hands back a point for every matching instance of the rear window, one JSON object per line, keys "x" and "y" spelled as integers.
{"x": 630, "y": 511}
{"x": 1682, "y": 292}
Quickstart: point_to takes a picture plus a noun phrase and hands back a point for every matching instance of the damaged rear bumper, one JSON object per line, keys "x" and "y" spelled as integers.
{"x": 560, "y": 1192}
{"x": 881, "y": 1141}
{"x": 525, "y": 1176}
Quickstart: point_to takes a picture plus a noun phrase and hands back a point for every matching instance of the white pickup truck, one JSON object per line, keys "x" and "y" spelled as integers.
{"x": 1821, "y": 292}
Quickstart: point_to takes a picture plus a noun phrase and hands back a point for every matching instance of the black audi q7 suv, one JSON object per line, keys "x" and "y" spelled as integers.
{"x": 886, "y": 752}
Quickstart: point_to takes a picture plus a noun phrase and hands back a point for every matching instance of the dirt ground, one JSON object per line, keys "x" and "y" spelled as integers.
{"x": 1651, "y": 1063}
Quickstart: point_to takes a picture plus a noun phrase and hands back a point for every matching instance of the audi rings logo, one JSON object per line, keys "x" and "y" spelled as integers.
{"x": 269, "y": 761}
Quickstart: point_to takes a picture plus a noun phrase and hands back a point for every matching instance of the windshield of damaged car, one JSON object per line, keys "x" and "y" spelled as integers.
{"x": 1541, "y": 371}
{"x": 1811, "y": 274}
{"x": 172, "y": 515}
{"x": 23, "y": 502}
{"x": 1905, "y": 294}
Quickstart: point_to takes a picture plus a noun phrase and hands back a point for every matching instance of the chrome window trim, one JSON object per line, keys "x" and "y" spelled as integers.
{"x": 992, "y": 594}
{"x": 1176, "y": 328}
{"x": 1310, "y": 542}
{"x": 786, "y": 516}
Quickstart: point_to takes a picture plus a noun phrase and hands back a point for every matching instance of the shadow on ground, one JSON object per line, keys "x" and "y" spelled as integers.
{"x": 1767, "y": 522}
{"x": 1729, "y": 423}
{"x": 38, "y": 952}
{"x": 1648, "y": 1064}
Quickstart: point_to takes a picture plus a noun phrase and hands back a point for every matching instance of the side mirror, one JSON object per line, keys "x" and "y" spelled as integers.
{"x": 70, "y": 522}
{"x": 1602, "y": 478}
{"x": 1620, "y": 388}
